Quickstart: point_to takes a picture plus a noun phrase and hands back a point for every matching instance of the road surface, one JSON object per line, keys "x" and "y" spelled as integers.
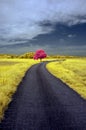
{"x": 43, "y": 102}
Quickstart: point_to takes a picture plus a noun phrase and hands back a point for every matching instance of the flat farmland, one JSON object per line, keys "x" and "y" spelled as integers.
{"x": 72, "y": 72}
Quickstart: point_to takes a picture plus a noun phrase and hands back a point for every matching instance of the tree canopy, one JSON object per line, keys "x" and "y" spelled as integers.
{"x": 40, "y": 54}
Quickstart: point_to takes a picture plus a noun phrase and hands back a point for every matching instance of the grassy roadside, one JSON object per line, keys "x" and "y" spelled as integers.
{"x": 72, "y": 72}
{"x": 11, "y": 73}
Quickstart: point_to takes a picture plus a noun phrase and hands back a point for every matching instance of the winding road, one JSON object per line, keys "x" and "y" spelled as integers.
{"x": 43, "y": 102}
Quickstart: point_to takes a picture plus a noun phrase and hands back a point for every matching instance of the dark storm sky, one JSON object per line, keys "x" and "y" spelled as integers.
{"x": 57, "y": 26}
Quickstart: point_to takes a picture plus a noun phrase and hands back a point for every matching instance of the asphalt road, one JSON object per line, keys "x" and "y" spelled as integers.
{"x": 43, "y": 102}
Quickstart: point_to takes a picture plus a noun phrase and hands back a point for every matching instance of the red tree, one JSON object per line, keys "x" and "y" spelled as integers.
{"x": 40, "y": 54}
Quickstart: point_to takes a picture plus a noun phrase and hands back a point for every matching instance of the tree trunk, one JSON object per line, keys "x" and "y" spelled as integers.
{"x": 40, "y": 60}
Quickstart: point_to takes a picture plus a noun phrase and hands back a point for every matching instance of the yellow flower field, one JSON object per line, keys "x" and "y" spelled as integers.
{"x": 11, "y": 73}
{"x": 72, "y": 72}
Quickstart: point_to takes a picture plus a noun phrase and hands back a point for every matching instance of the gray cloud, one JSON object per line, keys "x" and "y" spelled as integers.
{"x": 22, "y": 18}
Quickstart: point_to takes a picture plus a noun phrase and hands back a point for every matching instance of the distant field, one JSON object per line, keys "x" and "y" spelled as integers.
{"x": 72, "y": 72}
{"x": 11, "y": 73}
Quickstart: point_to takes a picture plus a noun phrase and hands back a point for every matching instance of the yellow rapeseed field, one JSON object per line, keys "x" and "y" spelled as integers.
{"x": 72, "y": 72}
{"x": 11, "y": 73}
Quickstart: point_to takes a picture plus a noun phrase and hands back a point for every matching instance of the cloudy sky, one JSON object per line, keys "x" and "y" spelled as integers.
{"x": 57, "y": 26}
